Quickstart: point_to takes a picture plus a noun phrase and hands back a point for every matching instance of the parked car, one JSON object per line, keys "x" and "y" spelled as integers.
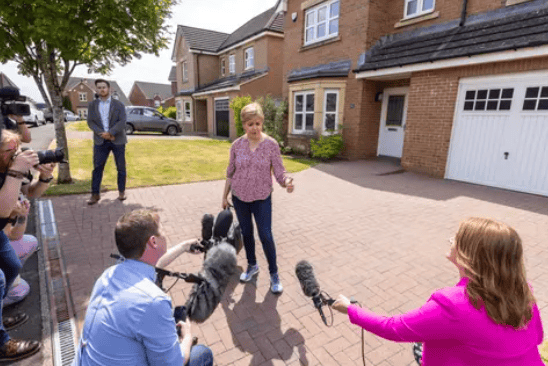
{"x": 69, "y": 116}
{"x": 149, "y": 119}
{"x": 48, "y": 115}
{"x": 36, "y": 117}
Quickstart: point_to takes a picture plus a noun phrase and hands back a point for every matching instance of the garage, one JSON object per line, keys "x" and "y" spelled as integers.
{"x": 500, "y": 132}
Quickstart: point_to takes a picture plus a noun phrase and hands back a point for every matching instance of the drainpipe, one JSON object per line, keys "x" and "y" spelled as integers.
{"x": 463, "y": 14}
{"x": 195, "y": 127}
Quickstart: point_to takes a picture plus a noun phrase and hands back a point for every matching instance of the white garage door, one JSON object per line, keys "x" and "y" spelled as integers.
{"x": 500, "y": 132}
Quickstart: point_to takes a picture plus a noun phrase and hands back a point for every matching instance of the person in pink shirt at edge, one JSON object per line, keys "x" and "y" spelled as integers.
{"x": 253, "y": 158}
{"x": 489, "y": 317}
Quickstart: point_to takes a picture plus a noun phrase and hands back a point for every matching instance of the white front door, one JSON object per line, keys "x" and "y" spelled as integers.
{"x": 392, "y": 129}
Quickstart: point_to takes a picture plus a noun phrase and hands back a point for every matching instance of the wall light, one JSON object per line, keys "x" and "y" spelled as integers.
{"x": 294, "y": 17}
{"x": 378, "y": 97}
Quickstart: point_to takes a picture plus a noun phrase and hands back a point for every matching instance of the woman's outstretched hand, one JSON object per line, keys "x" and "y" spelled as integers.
{"x": 341, "y": 304}
{"x": 289, "y": 185}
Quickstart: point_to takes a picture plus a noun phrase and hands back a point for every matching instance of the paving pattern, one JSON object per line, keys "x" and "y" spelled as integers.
{"x": 381, "y": 238}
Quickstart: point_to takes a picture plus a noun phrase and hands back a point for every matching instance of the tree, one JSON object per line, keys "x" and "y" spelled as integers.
{"x": 49, "y": 38}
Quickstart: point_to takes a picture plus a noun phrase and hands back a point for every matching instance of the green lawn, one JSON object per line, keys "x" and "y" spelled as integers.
{"x": 544, "y": 351}
{"x": 155, "y": 162}
{"x": 77, "y": 126}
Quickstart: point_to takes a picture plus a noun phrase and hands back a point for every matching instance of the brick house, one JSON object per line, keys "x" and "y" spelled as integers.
{"x": 214, "y": 67}
{"x": 81, "y": 91}
{"x": 151, "y": 94}
{"x": 6, "y": 82}
{"x": 456, "y": 89}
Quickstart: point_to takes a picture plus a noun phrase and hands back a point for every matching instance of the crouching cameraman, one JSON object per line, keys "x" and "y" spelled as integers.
{"x": 129, "y": 320}
{"x": 13, "y": 168}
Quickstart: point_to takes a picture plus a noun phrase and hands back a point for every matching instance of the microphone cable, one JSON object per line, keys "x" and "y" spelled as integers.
{"x": 352, "y": 301}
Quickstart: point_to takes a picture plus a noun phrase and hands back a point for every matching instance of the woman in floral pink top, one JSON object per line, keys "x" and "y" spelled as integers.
{"x": 253, "y": 158}
{"x": 488, "y": 318}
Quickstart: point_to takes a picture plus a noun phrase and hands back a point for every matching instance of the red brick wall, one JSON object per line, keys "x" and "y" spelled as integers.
{"x": 138, "y": 98}
{"x": 431, "y": 109}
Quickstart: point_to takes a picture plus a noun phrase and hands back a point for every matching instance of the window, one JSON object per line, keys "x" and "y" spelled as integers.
{"x": 83, "y": 97}
{"x": 185, "y": 72}
{"x": 223, "y": 67}
{"x": 488, "y": 100}
{"x": 322, "y": 22}
{"x": 136, "y": 111}
{"x": 331, "y": 110}
{"x": 187, "y": 112}
{"x": 249, "y": 54}
{"x": 179, "y": 110}
{"x": 83, "y": 113}
{"x": 536, "y": 99}
{"x": 415, "y": 8}
{"x": 303, "y": 117}
{"x": 232, "y": 64}
{"x": 156, "y": 103}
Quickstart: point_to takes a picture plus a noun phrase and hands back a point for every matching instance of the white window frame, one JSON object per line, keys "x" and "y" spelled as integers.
{"x": 223, "y": 66}
{"x": 157, "y": 103}
{"x": 325, "y": 112}
{"x": 303, "y": 130}
{"x": 185, "y": 72}
{"x": 232, "y": 64}
{"x": 313, "y": 13}
{"x": 187, "y": 113}
{"x": 83, "y": 97}
{"x": 180, "y": 112}
{"x": 419, "y": 9}
{"x": 249, "y": 57}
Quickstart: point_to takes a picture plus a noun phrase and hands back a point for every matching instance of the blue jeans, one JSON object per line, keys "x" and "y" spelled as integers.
{"x": 262, "y": 211}
{"x": 10, "y": 265}
{"x": 100, "y": 156}
{"x": 200, "y": 355}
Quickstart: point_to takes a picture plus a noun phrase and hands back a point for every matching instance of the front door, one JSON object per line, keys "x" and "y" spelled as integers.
{"x": 392, "y": 128}
{"x": 221, "y": 117}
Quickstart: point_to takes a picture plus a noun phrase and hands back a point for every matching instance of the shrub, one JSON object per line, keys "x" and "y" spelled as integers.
{"x": 327, "y": 147}
{"x": 236, "y": 105}
{"x": 169, "y": 112}
{"x": 273, "y": 118}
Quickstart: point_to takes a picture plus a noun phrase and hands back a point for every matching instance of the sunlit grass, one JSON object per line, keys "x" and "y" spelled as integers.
{"x": 156, "y": 162}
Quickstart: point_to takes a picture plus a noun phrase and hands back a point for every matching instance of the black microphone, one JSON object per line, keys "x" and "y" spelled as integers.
{"x": 311, "y": 288}
{"x": 219, "y": 266}
{"x": 207, "y": 226}
{"x": 223, "y": 221}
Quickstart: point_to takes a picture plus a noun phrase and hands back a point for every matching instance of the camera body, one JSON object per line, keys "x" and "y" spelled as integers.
{"x": 13, "y": 103}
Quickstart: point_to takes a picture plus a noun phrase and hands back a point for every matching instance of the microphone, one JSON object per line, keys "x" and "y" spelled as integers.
{"x": 207, "y": 226}
{"x": 219, "y": 266}
{"x": 311, "y": 288}
{"x": 222, "y": 224}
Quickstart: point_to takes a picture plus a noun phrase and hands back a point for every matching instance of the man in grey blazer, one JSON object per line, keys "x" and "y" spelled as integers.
{"x": 107, "y": 120}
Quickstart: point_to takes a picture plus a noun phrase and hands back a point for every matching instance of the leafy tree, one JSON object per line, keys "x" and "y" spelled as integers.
{"x": 49, "y": 38}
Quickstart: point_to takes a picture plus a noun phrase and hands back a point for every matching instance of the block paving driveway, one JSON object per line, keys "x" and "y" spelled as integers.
{"x": 379, "y": 237}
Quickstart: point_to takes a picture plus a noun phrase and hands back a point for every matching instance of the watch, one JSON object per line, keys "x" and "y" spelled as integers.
{"x": 47, "y": 180}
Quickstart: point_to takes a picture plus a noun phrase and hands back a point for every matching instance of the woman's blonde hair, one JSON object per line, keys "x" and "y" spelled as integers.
{"x": 491, "y": 255}
{"x": 10, "y": 136}
{"x": 251, "y": 111}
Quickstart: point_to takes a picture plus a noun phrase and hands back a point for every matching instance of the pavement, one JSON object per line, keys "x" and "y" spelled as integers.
{"x": 370, "y": 230}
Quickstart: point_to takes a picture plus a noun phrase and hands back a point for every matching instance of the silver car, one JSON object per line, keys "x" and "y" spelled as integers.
{"x": 149, "y": 119}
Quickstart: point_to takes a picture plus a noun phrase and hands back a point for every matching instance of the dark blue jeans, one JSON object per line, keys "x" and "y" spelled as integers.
{"x": 100, "y": 156}
{"x": 262, "y": 211}
{"x": 10, "y": 265}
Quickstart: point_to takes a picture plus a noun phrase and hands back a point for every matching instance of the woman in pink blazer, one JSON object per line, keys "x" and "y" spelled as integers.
{"x": 489, "y": 317}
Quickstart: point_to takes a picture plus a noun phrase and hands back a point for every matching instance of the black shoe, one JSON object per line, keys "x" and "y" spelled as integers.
{"x": 16, "y": 349}
{"x": 14, "y": 321}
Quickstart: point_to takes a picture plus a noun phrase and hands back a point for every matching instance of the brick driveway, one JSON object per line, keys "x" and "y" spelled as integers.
{"x": 379, "y": 237}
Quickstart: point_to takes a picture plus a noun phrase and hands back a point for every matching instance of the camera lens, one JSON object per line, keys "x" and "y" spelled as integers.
{"x": 51, "y": 156}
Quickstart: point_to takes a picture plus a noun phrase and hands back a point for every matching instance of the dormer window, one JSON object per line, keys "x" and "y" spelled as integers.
{"x": 322, "y": 22}
{"x": 223, "y": 67}
{"x": 232, "y": 64}
{"x": 414, "y": 8}
{"x": 249, "y": 58}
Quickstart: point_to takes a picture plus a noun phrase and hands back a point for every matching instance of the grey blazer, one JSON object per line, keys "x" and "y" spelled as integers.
{"x": 117, "y": 122}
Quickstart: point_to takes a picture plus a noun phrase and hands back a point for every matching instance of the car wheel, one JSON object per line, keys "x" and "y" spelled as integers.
{"x": 129, "y": 129}
{"x": 35, "y": 122}
{"x": 172, "y": 130}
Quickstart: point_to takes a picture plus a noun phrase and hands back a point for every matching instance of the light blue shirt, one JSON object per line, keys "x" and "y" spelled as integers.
{"x": 104, "y": 110}
{"x": 129, "y": 321}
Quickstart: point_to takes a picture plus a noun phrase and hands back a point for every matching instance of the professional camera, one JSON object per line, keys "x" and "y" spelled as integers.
{"x": 51, "y": 156}
{"x": 13, "y": 103}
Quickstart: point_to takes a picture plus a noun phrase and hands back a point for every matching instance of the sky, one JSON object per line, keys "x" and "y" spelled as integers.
{"x": 218, "y": 15}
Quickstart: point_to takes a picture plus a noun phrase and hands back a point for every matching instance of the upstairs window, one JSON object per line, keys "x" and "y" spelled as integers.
{"x": 232, "y": 64}
{"x": 415, "y": 8}
{"x": 185, "y": 72}
{"x": 322, "y": 22}
{"x": 83, "y": 97}
{"x": 223, "y": 67}
{"x": 249, "y": 58}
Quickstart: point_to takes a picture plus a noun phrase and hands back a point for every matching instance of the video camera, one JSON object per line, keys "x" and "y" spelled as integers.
{"x": 13, "y": 103}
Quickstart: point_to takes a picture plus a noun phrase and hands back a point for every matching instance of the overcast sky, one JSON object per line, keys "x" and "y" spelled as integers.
{"x": 219, "y": 15}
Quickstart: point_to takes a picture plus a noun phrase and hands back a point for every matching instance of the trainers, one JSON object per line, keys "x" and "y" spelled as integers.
{"x": 94, "y": 199}
{"x": 248, "y": 275}
{"x": 275, "y": 284}
{"x": 16, "y": 349}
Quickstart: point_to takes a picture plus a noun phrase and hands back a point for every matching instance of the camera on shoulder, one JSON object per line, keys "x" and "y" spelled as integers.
{"x": 13, "y": 103}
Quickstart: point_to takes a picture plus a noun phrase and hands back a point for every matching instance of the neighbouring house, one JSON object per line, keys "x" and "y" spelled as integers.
{"x": 151, "y": 95}
{"x": 214, "y": 67}
{"x": 456, "y": 89}
{"x": 6, "y": 82}
{"x": 81, "y": 91}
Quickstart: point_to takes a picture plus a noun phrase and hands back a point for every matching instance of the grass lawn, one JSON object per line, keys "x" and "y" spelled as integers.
{"x": 544, "y": 352}
{"x": 77, "y": 126}
{"x": 155, "y": 162}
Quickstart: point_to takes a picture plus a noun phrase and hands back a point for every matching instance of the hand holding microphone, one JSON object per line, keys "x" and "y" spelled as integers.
{"x": 341, "y": 304}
